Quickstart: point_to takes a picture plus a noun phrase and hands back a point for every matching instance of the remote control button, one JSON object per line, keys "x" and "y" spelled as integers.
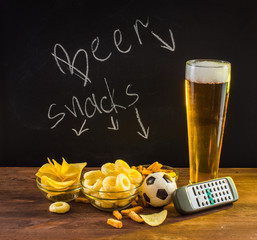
{"x": 197, "y": 200}
{"x": 194, "y": 191}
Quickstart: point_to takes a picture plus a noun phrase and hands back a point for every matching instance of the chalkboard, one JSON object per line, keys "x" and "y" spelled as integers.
{"x": 100, "y": 81}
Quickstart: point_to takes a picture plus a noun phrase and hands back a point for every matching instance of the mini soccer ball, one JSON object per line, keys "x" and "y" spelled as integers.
{"x": 158, "y": 188}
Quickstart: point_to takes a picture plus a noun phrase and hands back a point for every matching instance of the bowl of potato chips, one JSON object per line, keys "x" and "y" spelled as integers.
{"x": 64, "y": 193}
{"x": 114, "y": 187}
{"x": 60, "y": 182}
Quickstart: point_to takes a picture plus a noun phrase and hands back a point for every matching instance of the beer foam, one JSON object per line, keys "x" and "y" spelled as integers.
{"x": 208, "y": 71}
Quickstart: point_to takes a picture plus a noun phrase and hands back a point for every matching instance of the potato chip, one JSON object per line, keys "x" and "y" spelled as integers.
{"x": 73, "y": 170}
{"x": 155, "y": 219}
{"x": 56, "y": 185}
{"x": 46, "y": 170}
{"x": 67, "y": 170}
{"x": 58, "y": 168}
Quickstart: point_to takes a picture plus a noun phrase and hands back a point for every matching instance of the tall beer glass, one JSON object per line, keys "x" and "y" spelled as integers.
{"x": 207, "y": 91}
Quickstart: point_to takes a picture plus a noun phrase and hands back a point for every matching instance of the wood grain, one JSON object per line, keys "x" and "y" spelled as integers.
{"x": 24, "y": 214}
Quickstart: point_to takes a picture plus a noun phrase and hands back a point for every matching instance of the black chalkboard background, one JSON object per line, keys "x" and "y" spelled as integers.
{"x": 135, "y": 97}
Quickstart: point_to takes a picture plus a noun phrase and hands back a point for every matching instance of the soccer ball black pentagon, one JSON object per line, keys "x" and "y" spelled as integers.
{"x": 158, "y": 188}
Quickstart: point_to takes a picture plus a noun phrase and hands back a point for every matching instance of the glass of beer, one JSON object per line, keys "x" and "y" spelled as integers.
{"x": 207, "y": 87}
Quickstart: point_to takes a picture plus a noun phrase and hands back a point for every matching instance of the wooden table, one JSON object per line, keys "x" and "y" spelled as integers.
{"x": 24, "y": 214}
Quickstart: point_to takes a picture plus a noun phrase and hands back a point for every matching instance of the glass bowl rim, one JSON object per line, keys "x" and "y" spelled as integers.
{"x": 109, "y": 192}
{"x": 168, "y": 168}
{"x": 45, "y": 187}
{"x": 91, "y": 197}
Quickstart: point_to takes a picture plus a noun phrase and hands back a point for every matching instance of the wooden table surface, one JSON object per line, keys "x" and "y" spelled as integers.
{"x": 24, "y": 214}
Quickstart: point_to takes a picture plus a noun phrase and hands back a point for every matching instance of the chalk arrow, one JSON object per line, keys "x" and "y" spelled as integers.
{"x": 81, "y": 130}
{"x": 145, "y": 131}
{"x": 115, "y": 125}
{"x": 166, "y": 45}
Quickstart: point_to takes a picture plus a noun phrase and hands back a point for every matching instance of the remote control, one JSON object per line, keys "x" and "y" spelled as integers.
{"x": 205, "y": 195}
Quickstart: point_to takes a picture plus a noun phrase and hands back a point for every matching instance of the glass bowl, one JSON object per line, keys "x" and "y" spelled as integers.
{"x": 165, "y": 167}
{"x": 66, "y": 195}
{"x": 110, "y": 201}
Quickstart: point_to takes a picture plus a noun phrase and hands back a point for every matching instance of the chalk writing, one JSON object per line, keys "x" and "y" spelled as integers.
{"x": 145, "y": 131}
{"x": 82, "y": 129}
{"x": 136, "y": 28}
{"x": 115, "y": 125}
{"x": 78, "y": 109}
{"x": 117, "y": 38}
{"x": 166, "y": 45}
{"x": 62, "y": 114}
{"x": 88, "y": 107}
{"x": 72, "y": 69}
{"x": 94, "y": 49}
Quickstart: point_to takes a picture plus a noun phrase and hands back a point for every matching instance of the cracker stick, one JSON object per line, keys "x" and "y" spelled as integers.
{"x": 135, "y": 217}
{"x": 81, "y": 199}
{"x": 117, "y": 214}
{"x": 136, "y": 209}
{"x": 134, "y": 203}
{"x": 115, "y": 223}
